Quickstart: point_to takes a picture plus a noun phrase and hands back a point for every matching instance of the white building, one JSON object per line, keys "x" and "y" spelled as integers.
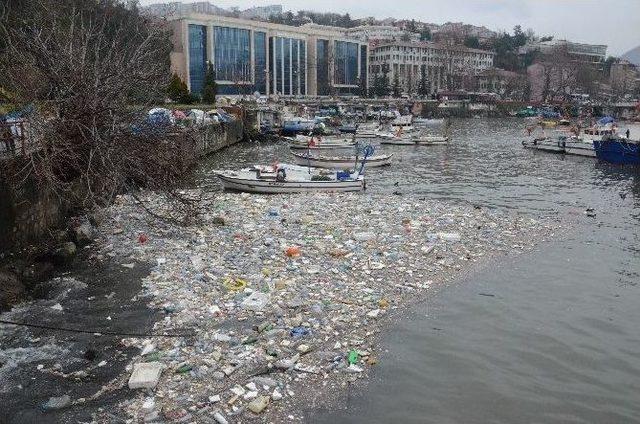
{"x": 444, "y": 66}
{"x": 376, "y": 33}
{"x": 593, "y": 53}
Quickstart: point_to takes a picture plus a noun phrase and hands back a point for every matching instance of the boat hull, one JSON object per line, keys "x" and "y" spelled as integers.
{"x": 618, "y": 151}
{"x": 580, "y": 149}
{"x": 273, "y": 187}
{"x": 338, "y": 163}
{"x": 398, "y": 142}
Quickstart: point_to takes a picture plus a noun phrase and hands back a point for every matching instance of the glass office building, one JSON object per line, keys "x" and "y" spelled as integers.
{"x": 250, "y": 56}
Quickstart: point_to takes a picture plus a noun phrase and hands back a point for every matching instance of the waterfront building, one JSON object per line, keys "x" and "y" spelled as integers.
{"x": 249, "y": 56}
{"x": 445, "y": 67}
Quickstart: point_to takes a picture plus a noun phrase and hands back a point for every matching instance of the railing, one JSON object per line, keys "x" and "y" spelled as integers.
{"x": 14, "y": 139}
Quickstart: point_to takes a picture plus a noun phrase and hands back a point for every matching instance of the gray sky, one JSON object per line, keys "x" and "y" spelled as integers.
{"x": 615, "y": 23}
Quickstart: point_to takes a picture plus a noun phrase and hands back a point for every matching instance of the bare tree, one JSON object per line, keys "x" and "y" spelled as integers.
{"x": 90, "y": 70}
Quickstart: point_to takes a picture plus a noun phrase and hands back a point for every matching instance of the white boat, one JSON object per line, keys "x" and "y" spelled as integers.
{"x": 285, "y": 178}
{"x": 340, "y": 162}
{"x": 426, "y": 121}
{"x": 398, "y": 141}
{"x": 546, "y": 144}
{"x": 320, "y": 143}
{"x": 579, "y": 147}
{"x": 431, "y": 139}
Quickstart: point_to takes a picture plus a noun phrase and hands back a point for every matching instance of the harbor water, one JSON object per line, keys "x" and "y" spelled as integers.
{"x": 548, "y": 336}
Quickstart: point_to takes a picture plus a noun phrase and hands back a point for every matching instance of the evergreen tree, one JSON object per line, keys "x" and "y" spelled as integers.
{"x": 396, "y": 85}
{"x": 423, "y": 87}
{"x": 385, "y": 85}
{"x": 178, "y": 91}
{"x": 210, "y": 89}
{"x": 409, "y": 84}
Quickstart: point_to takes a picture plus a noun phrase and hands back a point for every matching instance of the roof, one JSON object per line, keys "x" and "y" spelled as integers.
{"x": 432, "y": 45}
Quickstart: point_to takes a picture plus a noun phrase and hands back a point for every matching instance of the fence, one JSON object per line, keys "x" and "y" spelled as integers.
{"x": 14, "y": 139}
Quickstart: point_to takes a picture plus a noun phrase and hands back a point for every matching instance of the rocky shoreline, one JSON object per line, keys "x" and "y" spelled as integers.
{"x": 286, "y": 294}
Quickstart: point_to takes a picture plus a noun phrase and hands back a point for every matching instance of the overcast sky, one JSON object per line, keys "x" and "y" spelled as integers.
{"x": 615, "y": 23}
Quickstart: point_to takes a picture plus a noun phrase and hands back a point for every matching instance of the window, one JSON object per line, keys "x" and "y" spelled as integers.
{"x": 232, "y": 54}
{"x": 346, "y": 63}
{"x": 260, "y": 46}
{"x": 197, "y": 56}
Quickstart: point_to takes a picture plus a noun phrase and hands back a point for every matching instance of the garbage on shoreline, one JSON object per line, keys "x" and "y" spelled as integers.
{"x": 290, "y": 292}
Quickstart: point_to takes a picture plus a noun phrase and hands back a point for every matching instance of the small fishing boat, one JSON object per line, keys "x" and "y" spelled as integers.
{"x": 427, "y": 121}
{"x": 298, "y": 125}
{"x": 348, "y": 129}
{"x": 340, "y": 162}
{"x": 320, "y": 143}
{"x": 285, "y": 178}
{"x": 430, "y": 139}
{"x": 545, "y": 144}
{"x": 579, "y": 147}
{"x": 398, "y": 141}
{"x": 616, "y": 149}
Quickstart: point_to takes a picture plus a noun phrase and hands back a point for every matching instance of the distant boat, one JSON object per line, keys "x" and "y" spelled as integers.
{"x": 340, "y": 162}
{"x": 430, "y": 139}
{"x": 545, "y": 144}
{"x": 298, "y": 125}
{"x": 579, "y": 147}
{"x": 618, "y": 150}
{"x": 285, "y": 178}
{"x": 427, "y": 121}
{"x": 320, "y": 143}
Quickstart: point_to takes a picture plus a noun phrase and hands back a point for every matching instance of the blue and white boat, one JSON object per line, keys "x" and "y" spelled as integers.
{"x": 616, "y": 149}
{"x": 298, "y": 126}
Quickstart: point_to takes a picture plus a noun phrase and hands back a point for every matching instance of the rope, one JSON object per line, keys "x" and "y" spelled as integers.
{"x": 104, "y": 333}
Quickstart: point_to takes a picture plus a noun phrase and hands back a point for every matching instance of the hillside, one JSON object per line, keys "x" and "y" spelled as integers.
{"x": 633, "y": 56}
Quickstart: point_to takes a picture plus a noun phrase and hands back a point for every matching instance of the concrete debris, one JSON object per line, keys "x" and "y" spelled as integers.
{"x": 145, "y": 375}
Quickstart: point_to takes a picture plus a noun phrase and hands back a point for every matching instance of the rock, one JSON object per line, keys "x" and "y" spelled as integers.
{"x": 259, "y": 404}
{"x": 276, "y": 395}
{"x": 57, "y": 307}
{"x": 145, "y": 375}
{"x": 55, "y": 403}
{"x": 353, "y": 369}
{"x": 82, "y": 232}
{"x": 255, "y": 302}
{"x": 65, "y": 252}
{"x": 11, "y": 290}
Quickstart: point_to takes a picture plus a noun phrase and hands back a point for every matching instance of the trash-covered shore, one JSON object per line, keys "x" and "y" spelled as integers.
{"x": 279, "y": 296}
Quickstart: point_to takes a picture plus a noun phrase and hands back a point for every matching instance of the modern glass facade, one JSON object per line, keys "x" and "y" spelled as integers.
{"x": 322, "y": 67}
{"x": 260, "y": 53}
{"x": 232, "y": 54}
{"x": 197, "y": 57}
{"x": 287, "y": 69}
{"x": 269, "y": 61}
{"x": 346, "y": 63}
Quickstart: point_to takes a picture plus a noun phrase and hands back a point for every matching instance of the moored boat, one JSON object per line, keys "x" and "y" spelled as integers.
{"x": 340, "y": 162}
{"x": 430, "y": 139}
{"x": 285, "y": 178}
{"x": 320, "y": 143}
{"x": 579, "y": 147}
{"x": 545, "y": 144}
{"x": 398, "y": 141}
{"x": 617, "y": 150}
